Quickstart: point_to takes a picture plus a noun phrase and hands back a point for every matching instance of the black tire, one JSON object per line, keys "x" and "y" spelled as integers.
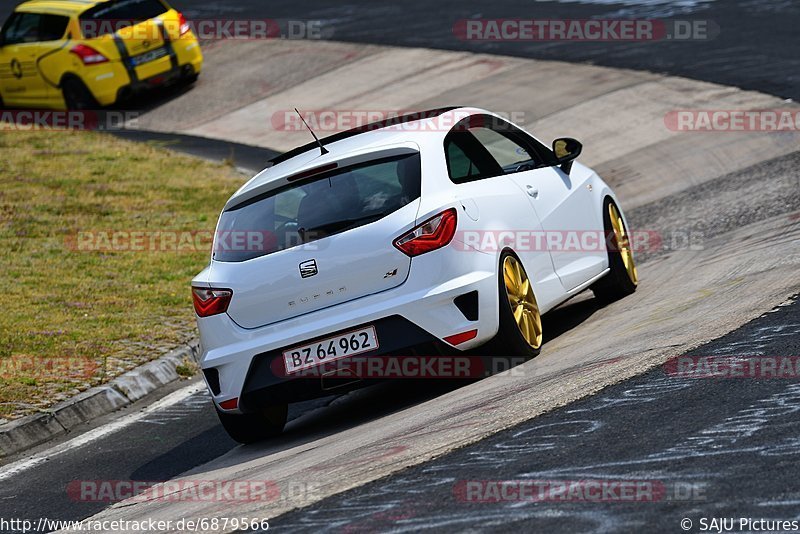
{"x": 77, "y": 96}
{"x": 509, "y": 347}
{"x": 255, "y": 427}
{"x": 188, "y": 76}
{"x": 617, "y": 283}
{"x": 186, "y": 81}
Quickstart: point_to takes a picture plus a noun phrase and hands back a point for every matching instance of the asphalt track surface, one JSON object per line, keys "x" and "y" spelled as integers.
{"x": 170, "y": 441}
{"x": 755, "y": 47}
{"x": 715, "y": 447}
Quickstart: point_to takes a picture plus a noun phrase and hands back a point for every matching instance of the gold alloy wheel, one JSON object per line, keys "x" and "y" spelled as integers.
{"x": 623, "y": 244}
{"x": 523, "y": 302}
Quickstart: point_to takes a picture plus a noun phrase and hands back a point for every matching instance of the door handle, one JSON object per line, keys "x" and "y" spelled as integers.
{"x": 532, "y": 191}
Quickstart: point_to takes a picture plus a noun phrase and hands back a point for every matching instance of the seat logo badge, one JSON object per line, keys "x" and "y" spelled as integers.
{"x": 390, "y": 274}
{"x": 16, "y": 68}
{"x": 146, "y": 44}
{"x": 308, "y": 268}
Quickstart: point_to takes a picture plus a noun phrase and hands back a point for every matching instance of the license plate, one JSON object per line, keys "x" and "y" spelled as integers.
{"x": 148, "y": 56}
{"x": 330, "y": 349}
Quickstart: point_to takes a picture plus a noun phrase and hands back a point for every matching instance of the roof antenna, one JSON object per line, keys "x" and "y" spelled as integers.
{"x": 322, "y": 149}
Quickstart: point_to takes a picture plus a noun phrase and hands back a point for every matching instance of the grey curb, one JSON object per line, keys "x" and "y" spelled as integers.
{"x": 122, "y": 391}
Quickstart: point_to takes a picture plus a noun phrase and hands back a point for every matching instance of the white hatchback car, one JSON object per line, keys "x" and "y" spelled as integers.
{"x": 440, "y": 231}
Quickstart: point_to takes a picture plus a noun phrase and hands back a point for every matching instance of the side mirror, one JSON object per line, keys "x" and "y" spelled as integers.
{"x": 566, "y": 150}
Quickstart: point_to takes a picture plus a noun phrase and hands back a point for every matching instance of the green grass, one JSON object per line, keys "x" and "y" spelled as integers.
{"x": 75, "y": 318}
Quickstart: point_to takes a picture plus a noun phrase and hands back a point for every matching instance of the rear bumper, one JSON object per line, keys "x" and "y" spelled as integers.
{"x": 166, "y": 78}
{"x": 184, "y": 60}
{"x": 268, "y": 383}
{"x": 247, "y": 363}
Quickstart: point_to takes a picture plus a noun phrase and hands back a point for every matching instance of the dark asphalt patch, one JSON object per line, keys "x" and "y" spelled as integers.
{"x": 177, "y": 438}
{"x": 158, "y": 447}
{"x": 251, "y": 158}
{"x": 690, "y": 217}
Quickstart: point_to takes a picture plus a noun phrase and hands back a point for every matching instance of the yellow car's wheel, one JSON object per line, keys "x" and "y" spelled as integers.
{"x": 520, "y": 332}
{"x": 623, "y": 278}
{"x": 76, "y": 95}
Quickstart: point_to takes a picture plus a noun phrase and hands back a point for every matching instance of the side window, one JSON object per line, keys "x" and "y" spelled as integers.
{"x": 482, "y": 146}
{"x": 52, "y": 27}
{"x": 461, "y": 167}
{"x": 23, "y": 29}
{"x": 467, "y": 159}
{"x": 9, "y": 27}
{"x": 34, "y": 28}
{"x": 510, "y": 155}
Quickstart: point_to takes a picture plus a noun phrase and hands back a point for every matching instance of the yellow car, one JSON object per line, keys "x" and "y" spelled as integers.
{"x": 83, "y": 54}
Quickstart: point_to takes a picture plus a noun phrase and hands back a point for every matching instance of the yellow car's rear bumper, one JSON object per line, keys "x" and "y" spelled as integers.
{"x": 118, "y": 80}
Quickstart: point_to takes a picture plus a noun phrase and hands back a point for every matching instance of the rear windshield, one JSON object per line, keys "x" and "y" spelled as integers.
{"x": 322, "y": 206}
{"x": 114, "y": 15}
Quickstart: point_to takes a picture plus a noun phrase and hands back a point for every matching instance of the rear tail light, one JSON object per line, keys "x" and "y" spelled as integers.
{"x": 88, "y": 55}
{"x": 209, "y": 301}
{"x": 183, "y": 24}
{"x": 433, "y": 234}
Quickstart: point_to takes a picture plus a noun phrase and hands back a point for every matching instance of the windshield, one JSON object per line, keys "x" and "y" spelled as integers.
{"x": 325, "y": 205}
